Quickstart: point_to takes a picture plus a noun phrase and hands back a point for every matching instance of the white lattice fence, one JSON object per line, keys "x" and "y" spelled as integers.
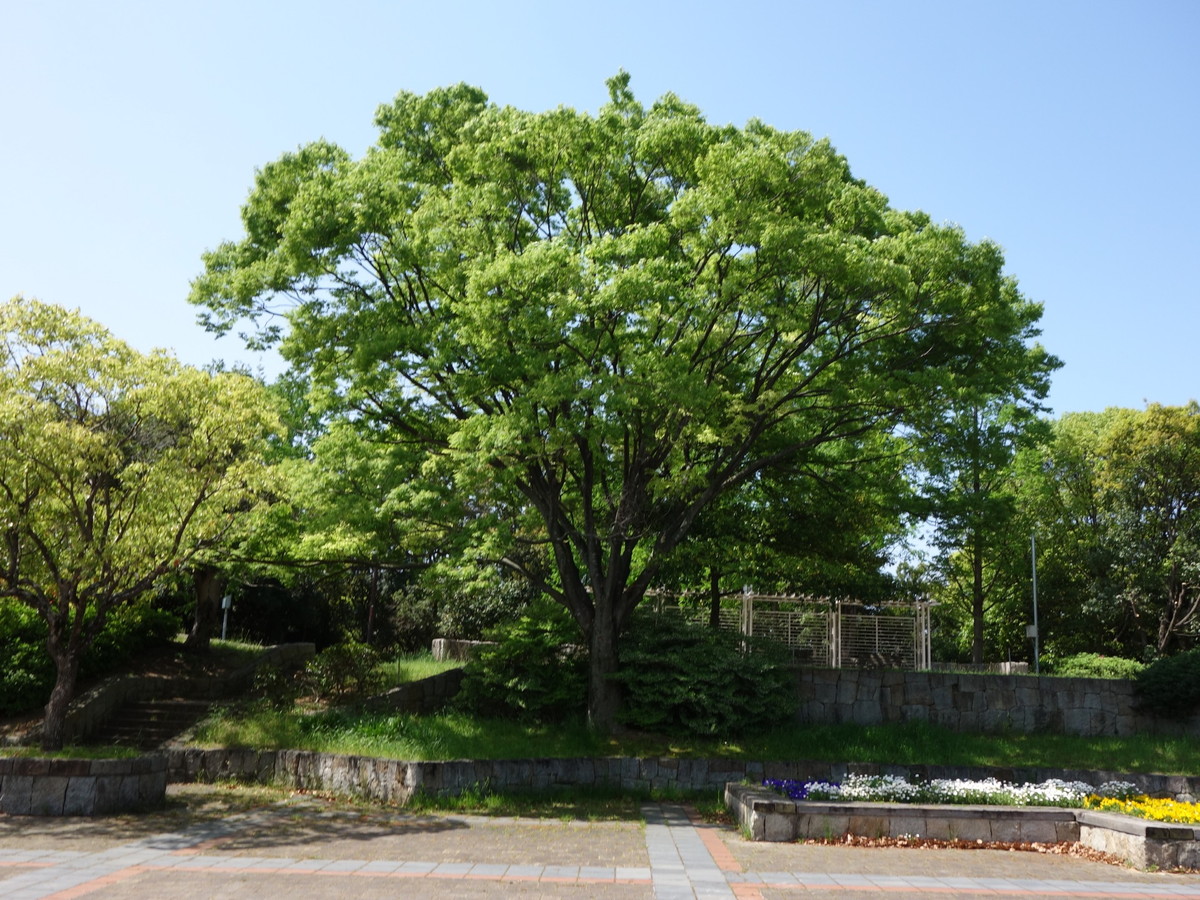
{"x": 826, "y": 633}
{"x": 874, "y": 641}
{"x": 804, "y": 628}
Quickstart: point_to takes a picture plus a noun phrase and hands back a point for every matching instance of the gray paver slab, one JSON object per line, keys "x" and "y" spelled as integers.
{"x": 487, "y": 870}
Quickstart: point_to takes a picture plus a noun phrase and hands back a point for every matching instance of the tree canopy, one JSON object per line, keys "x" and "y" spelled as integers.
{"x": 116, "y": 468}
{"x": 593, "y": 327}
{"x": 1115, "y": 498}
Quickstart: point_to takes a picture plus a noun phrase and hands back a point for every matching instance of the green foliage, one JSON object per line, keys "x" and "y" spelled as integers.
{"x": 27, "y": 671}
{"x": 1170, "y": 687}
{"x": 276, "y": 687}
{"x": 413, "y": 618}
{"x": 446, "y": 735}
{"x": 590, "y": 803}
{"x": 414, "y": 667}
{"x": 683, "y": 678}
{"x": 128, "y": 631}
{"x": 1115, "y": 500}
{"x": 787, "y": 532}
{"x": 1092, "y": 665}
{"x": 574, "y": 332}
{"x": 348, "y": 669}
{"x": 118, "y": 469}
{"x": 474, "y": 609}
{"x": 536, "y": 670}
{"x": 443, "y": 607}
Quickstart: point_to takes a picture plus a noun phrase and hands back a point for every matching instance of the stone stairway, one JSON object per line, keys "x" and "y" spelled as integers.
{"x": 148, "y": 724}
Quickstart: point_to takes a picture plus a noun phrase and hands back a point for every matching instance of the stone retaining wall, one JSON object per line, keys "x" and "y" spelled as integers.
{"x": 978, "y": 703}
{"x": 81, "y": 787}
{"x": 394, "y": 781}
{"x": 1143, "y": 844}
{"x": 420, "y": 697}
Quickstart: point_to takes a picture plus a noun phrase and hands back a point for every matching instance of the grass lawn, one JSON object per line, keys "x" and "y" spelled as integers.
{"x": 413, "y": 667}
{"x": 453, "y": 735}
{"x": 74, "y": 752}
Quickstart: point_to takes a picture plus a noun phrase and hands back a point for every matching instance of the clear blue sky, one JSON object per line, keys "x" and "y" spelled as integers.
{"x": 1065, "y": 131}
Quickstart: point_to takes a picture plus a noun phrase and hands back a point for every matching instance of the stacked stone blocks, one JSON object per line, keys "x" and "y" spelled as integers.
{"x": 81, "y": 787}
{"x": 978, "y": 702}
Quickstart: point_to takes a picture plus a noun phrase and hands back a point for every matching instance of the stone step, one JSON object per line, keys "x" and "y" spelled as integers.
{"x": 150, "y": 723}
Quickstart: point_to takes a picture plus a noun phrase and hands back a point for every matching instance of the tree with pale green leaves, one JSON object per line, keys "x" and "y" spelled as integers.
{"x": 595, "y": 326}
{"x": 116, "y": 469}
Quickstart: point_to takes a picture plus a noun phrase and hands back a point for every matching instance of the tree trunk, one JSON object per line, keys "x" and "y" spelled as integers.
{"x": 977, "y": 601}
{"x": 604, "y": 694}
{"x": 66, "y": 664}
{"x": 209, "y": 587}
{"x": 714, "y": 599}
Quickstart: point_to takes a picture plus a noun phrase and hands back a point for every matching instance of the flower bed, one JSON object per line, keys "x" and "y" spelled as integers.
{"x": 1112, "y": 796}
{"x": 1160, "y": 810}
{"x": 986, "y": 812}
{"x": 983, "y": 792}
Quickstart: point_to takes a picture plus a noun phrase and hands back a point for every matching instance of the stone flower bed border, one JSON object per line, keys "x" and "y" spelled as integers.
{"x": 768, "y": 816}
{"x": 35, "y": 786}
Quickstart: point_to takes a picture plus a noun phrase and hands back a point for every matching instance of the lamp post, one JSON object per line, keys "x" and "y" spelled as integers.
{"x": 1033, "y": 629}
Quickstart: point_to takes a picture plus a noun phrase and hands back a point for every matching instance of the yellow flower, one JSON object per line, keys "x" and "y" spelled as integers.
{"x": 1148, "y": 808}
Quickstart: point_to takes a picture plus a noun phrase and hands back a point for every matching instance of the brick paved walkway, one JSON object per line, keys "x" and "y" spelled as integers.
{"x": 303, "y": 849}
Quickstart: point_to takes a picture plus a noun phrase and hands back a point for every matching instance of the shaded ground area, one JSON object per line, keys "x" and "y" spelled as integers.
{"x": 187, "y": 805}
{"x": 239, "y": 842}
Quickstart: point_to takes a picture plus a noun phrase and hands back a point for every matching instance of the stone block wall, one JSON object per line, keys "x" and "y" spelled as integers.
{"x": 81, "y": 787}
{"x": 976, "y": 702}
{"x": 394, "y": 781}
{"x": 420, "y": 697}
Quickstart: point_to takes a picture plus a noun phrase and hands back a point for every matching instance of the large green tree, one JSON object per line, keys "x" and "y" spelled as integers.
{"x": 966, "y": 440}
{"x": 116, "y": 469}
{"x": 604, "y": 322}
{"x": 1116, "y": 500}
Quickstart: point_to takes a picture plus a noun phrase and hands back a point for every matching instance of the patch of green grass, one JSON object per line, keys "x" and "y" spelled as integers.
{"x": 413, "y": 667}
{"x": 449, "y": 735}
{"x": 918, "y": 743}
{"x": 73, "y": 752}
{"x": 593, "y": 804}
{"x": 574, "y": 804}
{"x": 455, "y": 735}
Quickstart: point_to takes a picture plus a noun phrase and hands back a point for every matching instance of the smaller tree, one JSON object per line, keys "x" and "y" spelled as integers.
{"x": 116, "y": 468}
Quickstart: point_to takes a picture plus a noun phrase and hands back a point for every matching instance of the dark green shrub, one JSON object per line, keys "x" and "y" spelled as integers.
{"x": 536, "y": 671}
{"x": 683, "y": 678}
{"x": 275, "y": 687}
{"x": 1170, "y": 687}
{"x": 468, "y": 613}
{"x": 421, "y": 612}
{"x": 348, "y": 669}
{"x": 1093, "y": 665}
{"x": 129, "y": 631}
{"x": 413, "y": 618}
{"x": 27, "y": 672}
